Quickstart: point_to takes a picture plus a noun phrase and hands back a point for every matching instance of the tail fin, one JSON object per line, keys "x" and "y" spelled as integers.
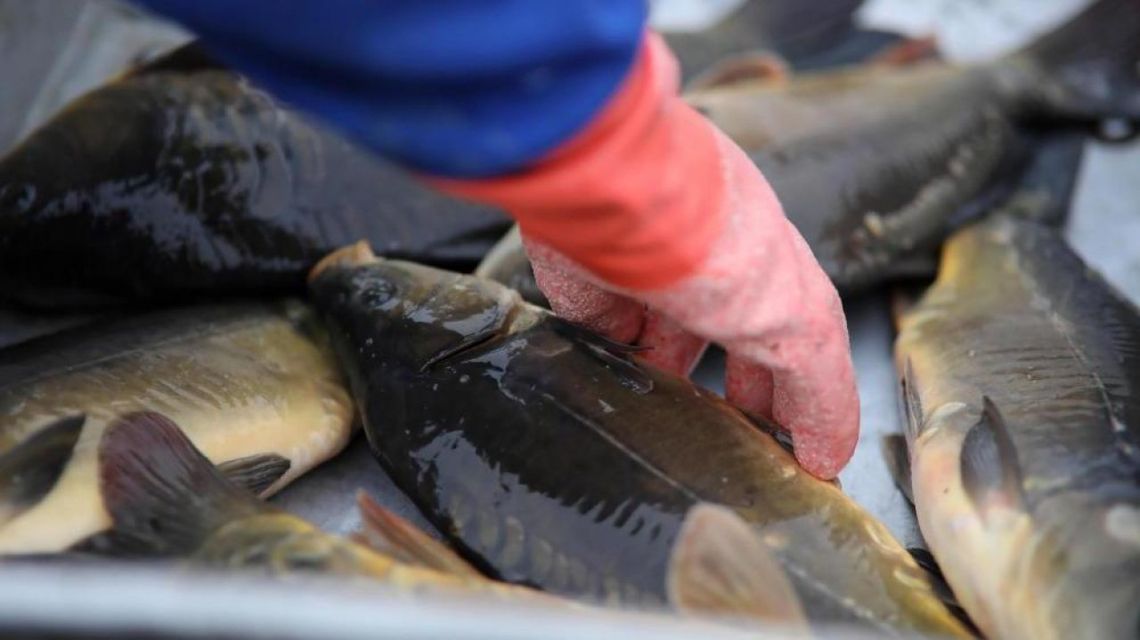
{"x": 163, "y": 495}
{"x": 1087, "y": 67}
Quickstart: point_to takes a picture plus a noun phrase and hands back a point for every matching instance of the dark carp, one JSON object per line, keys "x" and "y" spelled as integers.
{"x": 875, "y": 163}
{"x": 1044, "y": 192}
{"x": 556, "y": 461}
{"x": 254, "y": 386}
{"x": 182, "y": 178}
{"x": 1021, "y": 382}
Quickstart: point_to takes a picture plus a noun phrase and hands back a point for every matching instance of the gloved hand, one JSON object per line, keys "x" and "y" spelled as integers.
{"x": 647, "y": 200}
{"x": 760, "y": 295}
{"x": 678, "y": 240}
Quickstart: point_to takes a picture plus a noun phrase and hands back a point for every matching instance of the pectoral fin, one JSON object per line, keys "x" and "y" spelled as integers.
{"x": 895, "y": 454}
{"x": 29, "y": 470}
{"x": 163, "y": 495}
{"x": 394, "y": 536}
{"x": 937, "y": 579}
{"x": 255, "y": 473}
{"x": 720, "y": 567}
{"x": 912, "y": 403}
{"x": 991, "y": 475}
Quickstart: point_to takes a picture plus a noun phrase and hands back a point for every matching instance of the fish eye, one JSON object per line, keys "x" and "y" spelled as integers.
{"x": 18, "y": 197}
{"x": 373, "y": 292}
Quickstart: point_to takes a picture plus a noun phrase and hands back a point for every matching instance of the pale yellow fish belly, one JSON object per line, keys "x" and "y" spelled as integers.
{"x": 261, "y": 388}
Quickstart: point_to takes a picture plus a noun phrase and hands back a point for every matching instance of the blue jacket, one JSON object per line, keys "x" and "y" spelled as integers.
{"x": 456, "y": 88}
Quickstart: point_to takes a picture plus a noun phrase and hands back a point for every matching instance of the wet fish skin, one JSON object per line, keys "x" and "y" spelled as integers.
{"x": 870, "y": 164}
{"x": 556, "y": 461}
{"x": 253, "y": 379}
{"x": 1022, "y": 390}
{"x": 166, "y": 499}
{"x": 204, "y": 185}
{"x": 874, "y": 163}
{"x": 1043, "y": 192}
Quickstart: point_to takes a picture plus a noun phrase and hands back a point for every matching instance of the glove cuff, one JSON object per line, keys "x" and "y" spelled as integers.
{"x": 637, "y": 198}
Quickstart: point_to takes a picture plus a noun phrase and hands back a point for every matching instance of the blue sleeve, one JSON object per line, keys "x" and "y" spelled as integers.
{"x": 456, "y": 88}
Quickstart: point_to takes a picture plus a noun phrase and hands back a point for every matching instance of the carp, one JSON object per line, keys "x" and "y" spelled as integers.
{"x": 877, "y": 164}
{"x": 555, "y": 460}
{"x": 167, "y": 500}
{"x": 181, "y": 178}
{"x": 255, "y": 386}
{"x": 1021, "y": 387}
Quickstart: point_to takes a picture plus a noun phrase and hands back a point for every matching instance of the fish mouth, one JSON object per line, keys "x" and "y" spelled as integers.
{"x": 354, "y": 255}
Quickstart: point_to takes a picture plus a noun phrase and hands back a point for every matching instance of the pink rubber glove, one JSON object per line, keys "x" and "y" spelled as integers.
{"x": 678, "y": 240}
{"x": 762, "y": 296}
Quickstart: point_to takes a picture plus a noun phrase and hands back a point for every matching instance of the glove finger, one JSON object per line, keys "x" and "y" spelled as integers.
{"x": 670, "y": 347}
{"x": 580, "y": 301}
{"x": 748, "y": 385}
{"x": 817, "y": 402}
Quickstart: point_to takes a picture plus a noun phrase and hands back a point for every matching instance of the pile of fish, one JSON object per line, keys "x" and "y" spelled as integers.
{"x": 265, "y": 288}
{"x": 205, "y": 186}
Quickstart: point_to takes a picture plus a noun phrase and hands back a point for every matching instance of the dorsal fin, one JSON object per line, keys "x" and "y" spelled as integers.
{"x": 912, "y": 403}
{"x": 893, "y": 448}
{"x": 778, "y": 433}
{"x": 720, "y": 567}
{"x": 907, "y": 52}
{"x": 30, "y": 469}
{"x": 610, "y": 352}
{"x": 929, "y": 564}
{"x": 391, "y": 535}
{"x": 163, "y": 495}
{"x": 187, "y": 58}
{"x": 990, "y": 471}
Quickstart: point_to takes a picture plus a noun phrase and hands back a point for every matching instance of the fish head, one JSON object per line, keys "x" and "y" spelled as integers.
{"x": 21, "y": 195}
{"x": 402, "y": 314}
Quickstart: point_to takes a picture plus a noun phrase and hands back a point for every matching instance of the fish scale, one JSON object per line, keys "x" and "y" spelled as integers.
{"x": 876, "y": 164}
{"x": 478, "y": 403}
{"x": 244, "y": 380}
{"x": 205, "y": 185}
{"x": 1007, "y": 346}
